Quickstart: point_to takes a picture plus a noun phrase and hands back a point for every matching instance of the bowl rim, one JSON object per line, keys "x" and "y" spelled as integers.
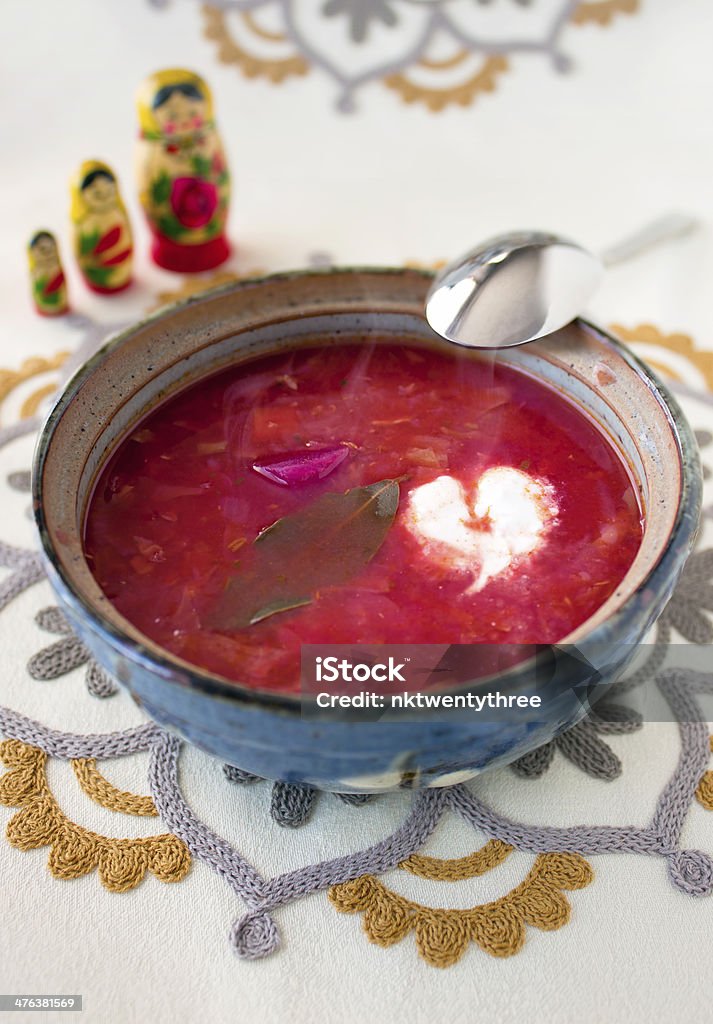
{"x": 155, "y": 659}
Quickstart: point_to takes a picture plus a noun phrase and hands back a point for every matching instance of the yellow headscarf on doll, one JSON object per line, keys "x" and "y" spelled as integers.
{"x": 79, "y": 209}
{"x": 148, "y": 97}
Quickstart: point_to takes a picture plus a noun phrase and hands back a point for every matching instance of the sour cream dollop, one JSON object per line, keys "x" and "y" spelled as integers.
{"x": 503, "y": 518}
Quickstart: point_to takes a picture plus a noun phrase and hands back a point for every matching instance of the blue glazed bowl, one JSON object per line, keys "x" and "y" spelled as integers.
{"x": 264, "y": 733}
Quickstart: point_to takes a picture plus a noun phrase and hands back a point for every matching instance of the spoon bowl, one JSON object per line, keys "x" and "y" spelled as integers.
{"x": 512, "y": 289}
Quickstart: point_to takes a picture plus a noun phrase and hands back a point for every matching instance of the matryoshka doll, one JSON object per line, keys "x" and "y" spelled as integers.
{"x": 49, "y": 290}
{"x": 183, "y": 177}
{"x": 102, "y": 233}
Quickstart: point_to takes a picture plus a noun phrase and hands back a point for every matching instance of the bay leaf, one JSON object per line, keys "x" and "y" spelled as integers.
{"x": 284, "y": 604}
{"x": 326, "y": 543}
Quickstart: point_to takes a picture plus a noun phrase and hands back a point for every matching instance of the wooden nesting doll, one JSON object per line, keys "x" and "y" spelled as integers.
{"x": 49, "y": 290}
{"x": 102, "y": 233}
{"x": 183, "y": 178}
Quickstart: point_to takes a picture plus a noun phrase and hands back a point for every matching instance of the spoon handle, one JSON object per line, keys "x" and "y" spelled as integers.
{"x": 664, "y": 229}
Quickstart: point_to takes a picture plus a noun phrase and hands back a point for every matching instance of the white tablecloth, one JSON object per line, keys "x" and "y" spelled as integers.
{"x": 620, "y": 138}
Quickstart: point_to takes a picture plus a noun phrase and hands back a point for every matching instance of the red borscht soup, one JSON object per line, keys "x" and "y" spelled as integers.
{"x": 374, "y": 493}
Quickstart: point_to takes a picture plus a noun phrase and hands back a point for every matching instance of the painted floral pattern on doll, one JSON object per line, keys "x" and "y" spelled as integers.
{"x": 102, "y": 234}
{"x": 184, "y": 181}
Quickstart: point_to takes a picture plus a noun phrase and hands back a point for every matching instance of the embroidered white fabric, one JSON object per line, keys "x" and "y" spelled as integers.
{"x": 593, "y": 154}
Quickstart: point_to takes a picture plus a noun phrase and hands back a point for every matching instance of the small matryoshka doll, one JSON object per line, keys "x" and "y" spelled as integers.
{"x": 102, "y": 233}
{"x": 183, "y": 177}
{"x": 49, "y": 290}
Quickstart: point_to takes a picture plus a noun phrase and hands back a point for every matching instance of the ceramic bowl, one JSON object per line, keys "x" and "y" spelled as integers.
{"x": 267, "y": 734}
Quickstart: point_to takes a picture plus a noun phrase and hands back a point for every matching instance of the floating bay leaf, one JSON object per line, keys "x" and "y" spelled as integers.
{"x": 284, "y": 604}
{"x": 324, "y": 544}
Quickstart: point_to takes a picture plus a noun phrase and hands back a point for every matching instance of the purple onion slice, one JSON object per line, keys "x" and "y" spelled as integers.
{"x": 303, "y": 467}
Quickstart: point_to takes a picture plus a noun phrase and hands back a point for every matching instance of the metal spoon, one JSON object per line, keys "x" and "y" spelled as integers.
{"x": 521, "y": 286}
